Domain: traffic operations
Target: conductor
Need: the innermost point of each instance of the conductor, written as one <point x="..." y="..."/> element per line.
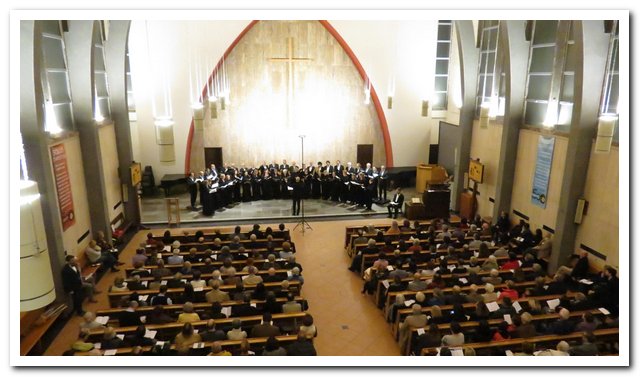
<point x="396" y="203"/>
<point x="296" y="195"/>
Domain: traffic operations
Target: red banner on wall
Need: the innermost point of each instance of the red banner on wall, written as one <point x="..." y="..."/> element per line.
<point x="63" y="185"/>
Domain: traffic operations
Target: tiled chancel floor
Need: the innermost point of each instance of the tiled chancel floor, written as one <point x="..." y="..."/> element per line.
<point x="348" y="323"/>
<point x="154" y="210"/>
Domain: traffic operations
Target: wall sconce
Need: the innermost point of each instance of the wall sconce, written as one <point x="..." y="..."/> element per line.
<point x="493" y="107"/>
<point x="484" y="115"/>
<point x="606" y="129"/>
<point x="213" y="106"/>
<point x="36" y="279"/>
<point x="425" y="108"/>
<point x="551" y="118"/>
<point x="164" y="138"/>
<point x="389" y="102"/>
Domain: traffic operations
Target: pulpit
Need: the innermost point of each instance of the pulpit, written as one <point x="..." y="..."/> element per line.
<point x="436" y="203"/>
<point x="429" y="174"/>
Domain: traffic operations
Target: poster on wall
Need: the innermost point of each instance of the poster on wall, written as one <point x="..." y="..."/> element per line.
<point x="63" y="185"/>
<point x="543" y="171"/>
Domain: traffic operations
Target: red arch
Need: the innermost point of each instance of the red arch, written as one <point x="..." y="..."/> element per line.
<point x="374" y="96"/>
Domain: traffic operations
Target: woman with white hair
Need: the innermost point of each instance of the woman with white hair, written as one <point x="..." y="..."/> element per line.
<point x="489" y="295"/>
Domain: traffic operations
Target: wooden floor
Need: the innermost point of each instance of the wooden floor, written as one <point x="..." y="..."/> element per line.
<point x="348" y="323"/>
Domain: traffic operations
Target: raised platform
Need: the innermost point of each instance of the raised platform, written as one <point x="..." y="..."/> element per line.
<point x="154" y="210"/>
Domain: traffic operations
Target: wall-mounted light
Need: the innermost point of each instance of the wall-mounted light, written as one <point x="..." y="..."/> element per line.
<point x="367" y="91"/>
<point x="484" y="114"/>
<point x="50" y="122"/>
<point x="551" y="118"/>
<point x="494" y="106"/>
<point x="606" y="129"/>
<point x="501" y="105"/>
<point x="391" y="92"/>
<point x="97" y="113"/>
<point x="164" y="138"/>
<point x="425" y="107"/>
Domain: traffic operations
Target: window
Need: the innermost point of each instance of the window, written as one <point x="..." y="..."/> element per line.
<point x="131" y="103"/>
<point x="443" y="50"/>
<point x="609" y="102"/>
<point x="487" y="86"/>
<point x="102" y="105"/>
<point x="55" y="78"/>
<point x="542" y="85"/>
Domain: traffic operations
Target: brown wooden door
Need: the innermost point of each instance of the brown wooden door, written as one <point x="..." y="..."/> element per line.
<point x="365" y="154"/>
<point x="213" y="156"/>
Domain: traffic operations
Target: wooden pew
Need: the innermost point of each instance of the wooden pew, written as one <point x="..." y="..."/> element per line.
<point x="256" y="344"/>
<point x="281" y="273"/>
<point x="391" y="297"/>
<point x="523" y="301"/>
<point x="470" y="325"/>
<point x="174" y="309"/>
<point x="238" y="264"/>
<point x="168" y="331"/>
<point x="115" y="297"/>
<point x="549" y="341"/>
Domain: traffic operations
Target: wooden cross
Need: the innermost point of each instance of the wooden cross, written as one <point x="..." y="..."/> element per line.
<point x="289" y="60"/>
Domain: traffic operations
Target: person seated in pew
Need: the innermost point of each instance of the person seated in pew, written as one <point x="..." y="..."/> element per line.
<point x="271" y="263"/>
<point x="188" y="314"/>
<point x="483" y="333"/>
<point x="252" y="278"/>
<point x="490" y="263"/>
<point x="197" y="282"/>
<point x="187" y="268"/>
<point x="211" y="333"/>
<point x="303" y="346"/>
<point x="95" y="254"/>
<point x="82" y="344"/>
<point x="110" y="340"/>
<point x="187" y="337"/>
<point x="473" y="296"/>
<point x="130" y="317"/>
<point x="397" y="285"/>
<point x="208" y="266"/>
<point x="176" y="281"/>
<point x="158" y="316"/>
<point x="231" y="278"/>
<point x="503" y="332"/>
<point x="510" y="291"/>
<point x="155" y="284"/>
<point x="89" y="322"/>
<point x="265" y="328"/>
<point x="587" y="348"/>
<point x="562" y="325"/>
<point x="215" y="294"/>
<point x="512" y="263"/>
<point x="236" y="332"/>
<point x="287" y="250"/>
<point x="457" y="313"/>
<point x="139" y="338"/>
<point x="456" y="338"/>
<point x="489" y="295"/>
<point x="437" y="281"/>
<point x="245" y="309"/>
<point x="238" y="293"/>
<point x="272" y="348"/>
<point x="160" y="270"/>
<point x="562" y="349"/>
<point x="291" y="306"/>
<point x="215" y="311"/>
<point x="118" y="285"/>
<point x="481" y="312"/>
<point x="271" y="276"/>
<point x="581" y="302"/>
<point x="524" y="327"/>
<point x="216" y="350"/>
<point x="587" y="324"/>
<point x="417" y="284"/>
<point x="259" y="293"/>
<point x="431" y="338"/>
<point x="527" y="349"/>
<point x="506" y="307"/>
<point x="161" y="298"/>
<point x="493" y="278"/>
<point x="175" y="257"/>
<point x="139" y="256"/>
<point x="295" y="276"/>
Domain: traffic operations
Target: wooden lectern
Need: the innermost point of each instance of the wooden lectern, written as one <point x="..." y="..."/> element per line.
<point x="429" y="174"/>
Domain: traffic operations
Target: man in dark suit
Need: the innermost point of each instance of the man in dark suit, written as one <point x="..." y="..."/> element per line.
<point x="130" y="317"/>
<point x="396" y="203"/>
<point x="588" y="347"/>
<point x="383" y="175"/>
<point x="211" y="334"/>
<point x="193" y="189"/>
<point x="245" y="309"/>
<point x="72" y="283"/>
<point x="266" y="328"/>
<point x="296" y="196"/>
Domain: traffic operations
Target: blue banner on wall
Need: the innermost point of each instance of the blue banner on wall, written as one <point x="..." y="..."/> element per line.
<point x="543" y="171"/>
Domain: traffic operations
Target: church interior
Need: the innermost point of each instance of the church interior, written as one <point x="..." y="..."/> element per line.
<point x="439" y="186"/>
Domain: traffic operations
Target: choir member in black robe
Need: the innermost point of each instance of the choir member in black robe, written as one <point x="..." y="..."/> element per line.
<point x="256" y="185"/>
<point x="370" y="193"/>
<point x="208" y="199"/>
<point x="327" y="184"/>
<point x="316" y="185"/>
<point x="306" y="177"/>
<point x="201" y="178"/>
<point x="246" y="187"/>
<point x="383" y="180"/>
<point x="336" y="186"/>
<point x="284" y="183"/>
<point x="344" y="186"/>
<point x="276" y="183"/>
<point x="267" y="186"/>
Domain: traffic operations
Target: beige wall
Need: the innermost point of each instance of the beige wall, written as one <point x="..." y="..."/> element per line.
<point x="79" y="193"/>
<point x="327" y="104"/>
<point x="485" y="145"/>
<point x="599" y="228"/>
<point x="523" y="180"/>
<point x="109" y="156"/>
